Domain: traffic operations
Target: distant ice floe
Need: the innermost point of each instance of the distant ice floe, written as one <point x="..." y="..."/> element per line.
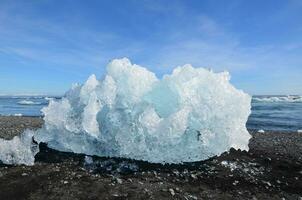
<point x="189" y="115"/>
<point x="18" y="115"/>
<point x="20" y="150"/>
<point x="48" y="98"/>
<point x="289" y="99"/>
<point x="261" y="131"/>
<point x="27" y="102"/>
<point x="299" y="131"/>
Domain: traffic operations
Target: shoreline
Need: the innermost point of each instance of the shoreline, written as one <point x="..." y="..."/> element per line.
<point x="271" y="169"/>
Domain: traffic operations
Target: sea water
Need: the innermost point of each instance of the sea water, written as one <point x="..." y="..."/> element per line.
<point x="273" y="113"/>
<point x="23" y="105"/>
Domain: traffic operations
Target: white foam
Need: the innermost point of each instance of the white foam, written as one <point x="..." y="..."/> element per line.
<point x="189" y="115"/>
<point x="288" y="99"/>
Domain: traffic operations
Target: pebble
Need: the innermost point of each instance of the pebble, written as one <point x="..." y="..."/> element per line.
<point x="193" y="176"/>
<point x="192" y="197"/>
<point x="65" y="182"/>
<point x="24" y="174"/>
<point x="171" y="191"/>
<point x="235" y="182"/>
<point x="176" y="172"/>
<point x="119" y="181"/>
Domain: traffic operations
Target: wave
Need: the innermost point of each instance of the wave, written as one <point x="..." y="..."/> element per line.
<point x="288" y="99"/>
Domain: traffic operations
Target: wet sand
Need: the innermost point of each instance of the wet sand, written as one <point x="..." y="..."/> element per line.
<point x="271" y="169"/>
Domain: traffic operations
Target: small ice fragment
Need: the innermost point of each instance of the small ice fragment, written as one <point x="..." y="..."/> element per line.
<point x="88" y="160"/>
<point x="299" y="131"/>
<point x="19" y="150"/>
<point x="261" y="131"/>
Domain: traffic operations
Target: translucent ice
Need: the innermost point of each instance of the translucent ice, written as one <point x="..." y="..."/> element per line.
<point x="189" y="115"/>
<point x="19" y="150"/>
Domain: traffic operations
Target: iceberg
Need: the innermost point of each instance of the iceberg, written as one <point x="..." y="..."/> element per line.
<point x="19" y="150"/>
<point x="189" y="115"/>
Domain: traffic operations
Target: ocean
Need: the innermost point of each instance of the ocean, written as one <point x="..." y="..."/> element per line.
<point x="273" y="113"/>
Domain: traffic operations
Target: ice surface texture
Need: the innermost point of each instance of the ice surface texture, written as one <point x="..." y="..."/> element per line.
<point x="189" y="115"/>
<point x="19" y="150"/>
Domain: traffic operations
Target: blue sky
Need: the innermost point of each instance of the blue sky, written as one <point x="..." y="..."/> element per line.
<point x="46" y="45"/>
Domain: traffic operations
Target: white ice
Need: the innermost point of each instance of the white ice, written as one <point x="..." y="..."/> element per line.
<point x="189" y="115"/>
<point x="19" y="150"/>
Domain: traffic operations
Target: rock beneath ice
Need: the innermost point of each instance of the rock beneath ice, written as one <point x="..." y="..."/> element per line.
<point x="189" y="115"/>
<point x="19" y="150"/>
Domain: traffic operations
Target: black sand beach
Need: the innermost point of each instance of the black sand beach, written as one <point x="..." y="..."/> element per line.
<point x="271" y="169"/>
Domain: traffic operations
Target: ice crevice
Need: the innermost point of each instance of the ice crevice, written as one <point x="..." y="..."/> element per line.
<point x="185" y="116"/>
